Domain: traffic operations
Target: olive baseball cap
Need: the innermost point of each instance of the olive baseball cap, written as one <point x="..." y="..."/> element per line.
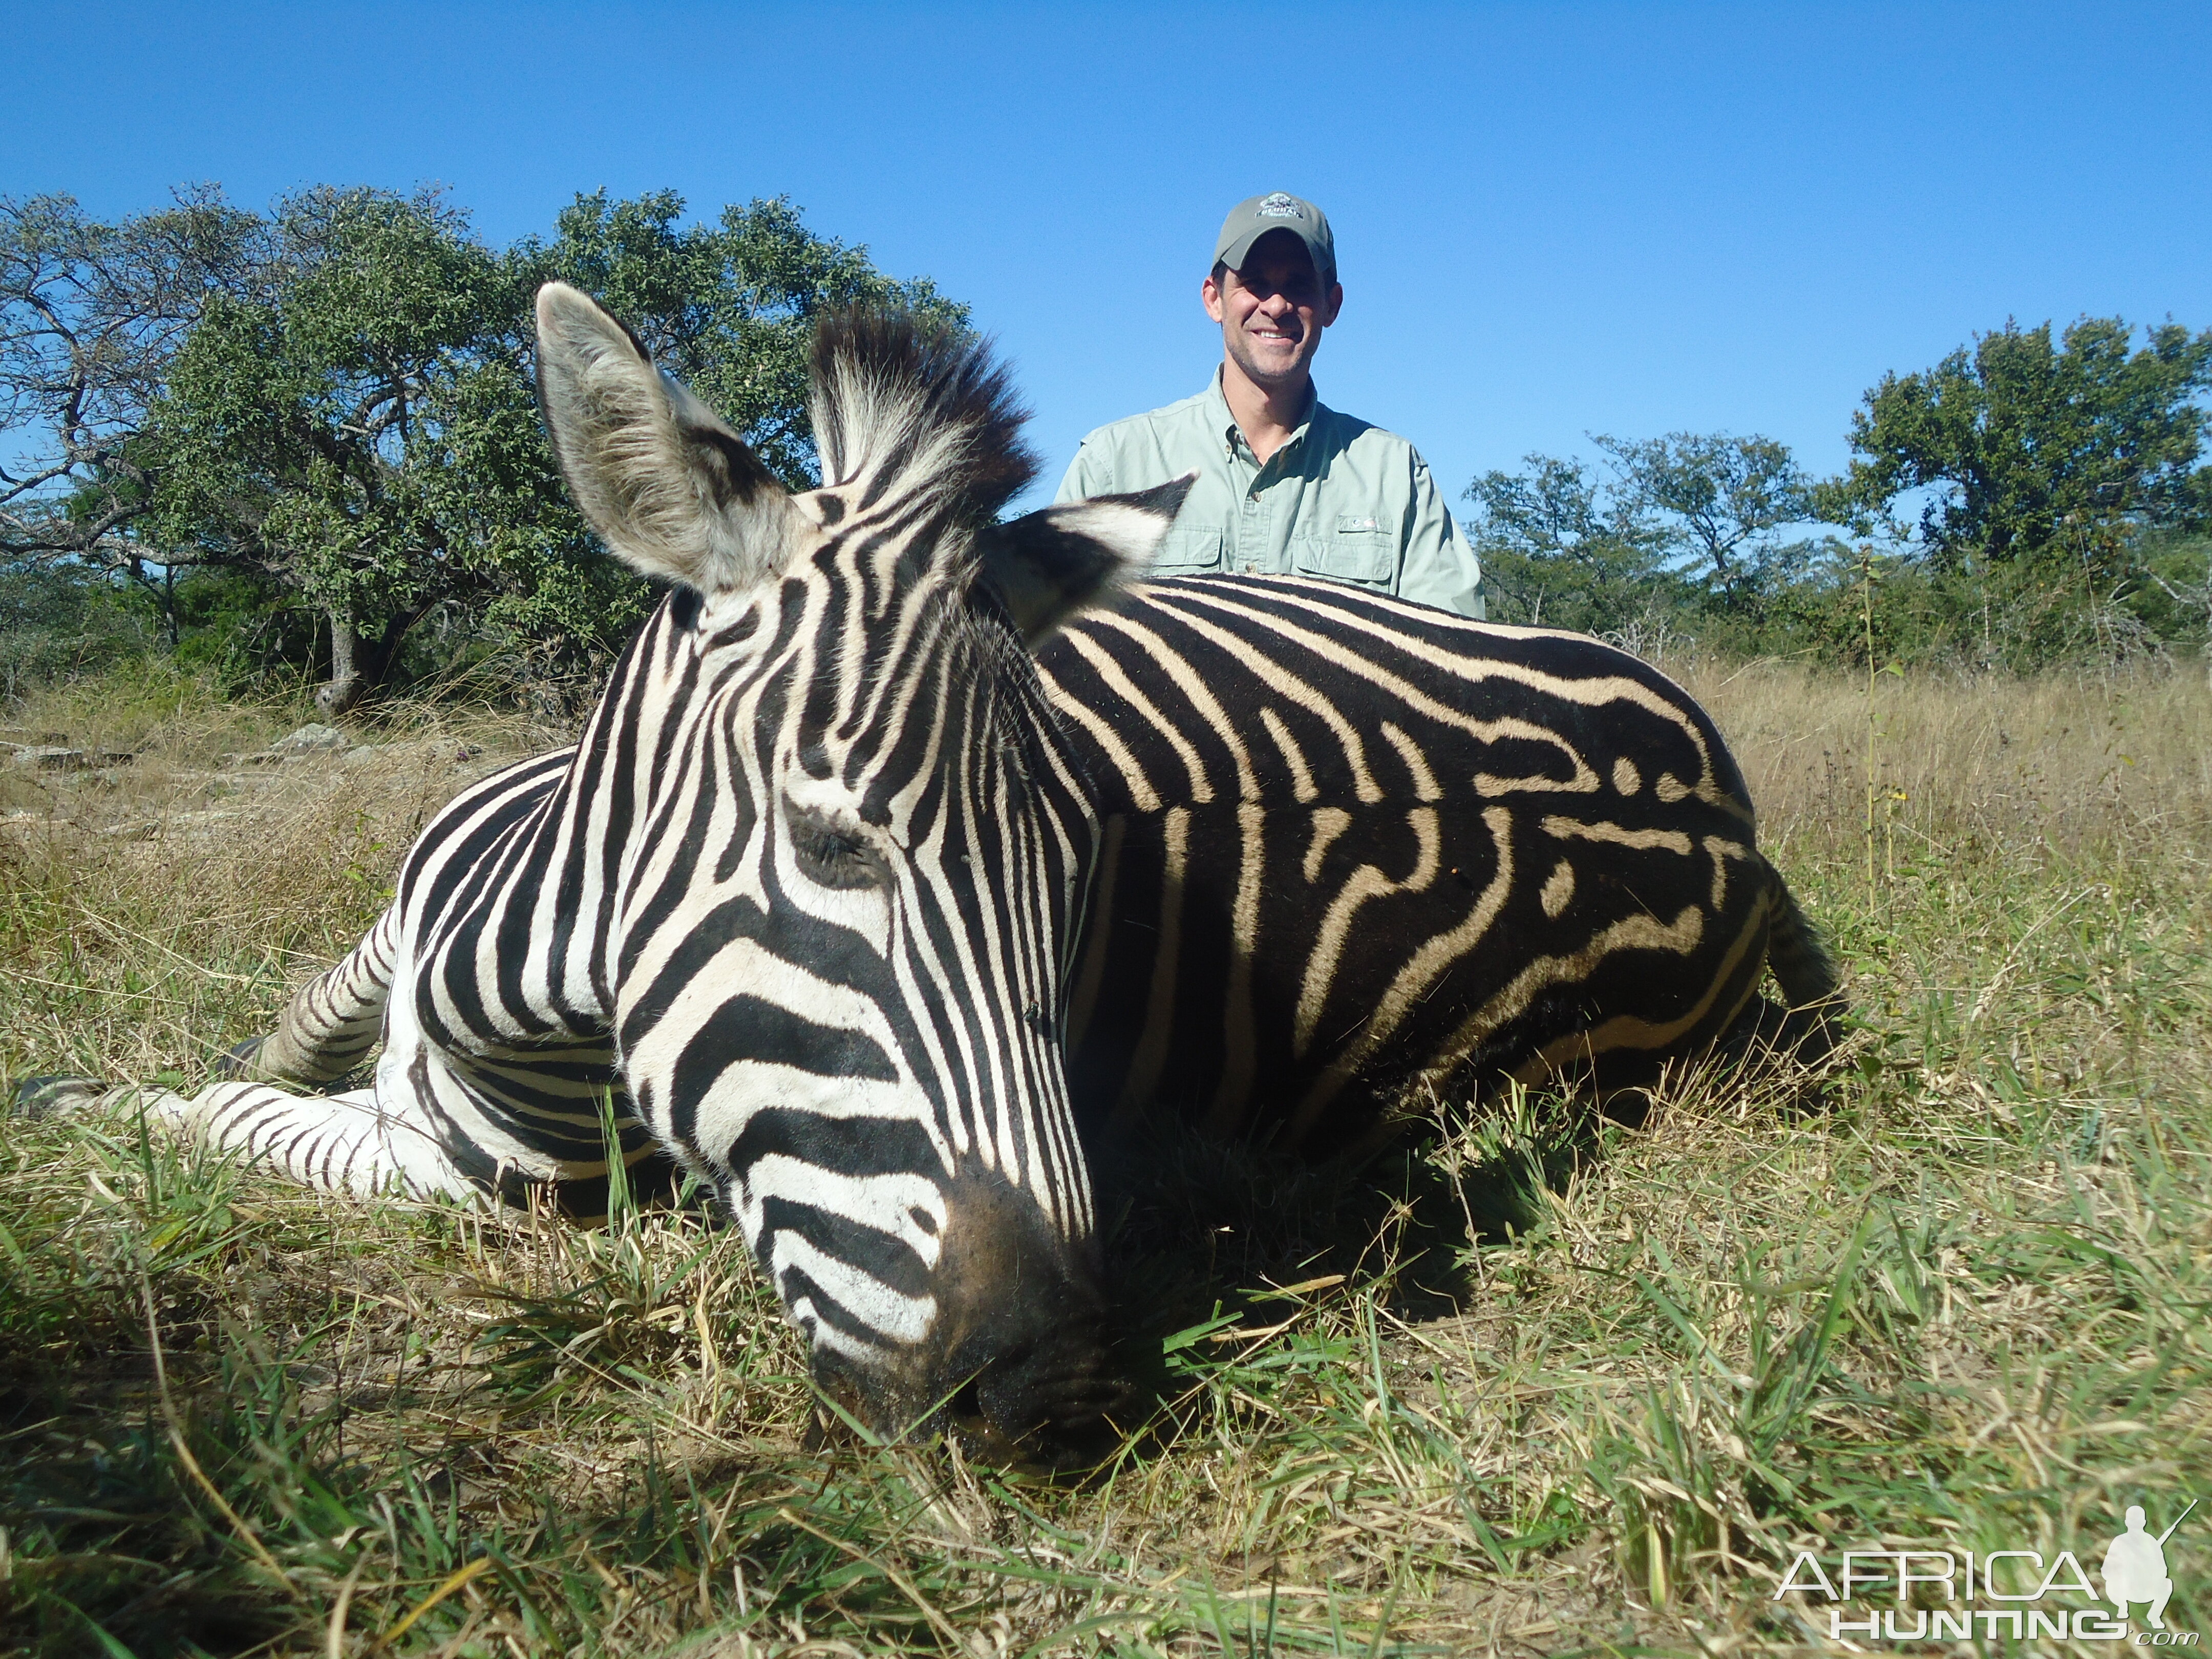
<point x="1253" y="218"/>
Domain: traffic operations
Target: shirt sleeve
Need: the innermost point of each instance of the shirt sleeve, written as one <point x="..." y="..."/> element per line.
<point x="1090" y="473"/>
<point x="1435" y="566"/>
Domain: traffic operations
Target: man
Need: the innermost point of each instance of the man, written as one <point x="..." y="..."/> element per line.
<point x="2135" y="1569"/>
<point x="1285" y="484"/>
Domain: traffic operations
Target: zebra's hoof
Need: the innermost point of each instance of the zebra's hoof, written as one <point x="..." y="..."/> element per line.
<point x="237" y="1060"/>
<point x="37" y="1097"/>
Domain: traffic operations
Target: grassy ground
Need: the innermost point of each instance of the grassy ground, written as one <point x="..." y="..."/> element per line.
<point x="1539" y="1387"/>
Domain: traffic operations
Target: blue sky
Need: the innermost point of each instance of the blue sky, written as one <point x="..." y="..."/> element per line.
<point x="1550" y="220"/>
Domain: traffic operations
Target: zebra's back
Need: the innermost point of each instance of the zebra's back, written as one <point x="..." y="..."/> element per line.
<point x="1351" y="843"/>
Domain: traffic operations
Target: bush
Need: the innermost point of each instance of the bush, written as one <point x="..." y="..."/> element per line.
<point x="2172" y="594"/>
<point x="62" y="621"/>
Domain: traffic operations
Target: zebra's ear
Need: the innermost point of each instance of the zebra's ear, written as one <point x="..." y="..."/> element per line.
<point x="1047" y="566"/>
<point x="673" y="491"/>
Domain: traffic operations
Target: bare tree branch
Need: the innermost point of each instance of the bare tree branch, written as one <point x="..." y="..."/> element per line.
<point x="91" y="314"/>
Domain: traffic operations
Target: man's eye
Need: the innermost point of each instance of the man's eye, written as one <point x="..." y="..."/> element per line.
<point x="832" y="856"/>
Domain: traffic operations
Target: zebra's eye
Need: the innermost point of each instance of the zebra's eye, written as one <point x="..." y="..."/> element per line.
<point x="833" y="856"/>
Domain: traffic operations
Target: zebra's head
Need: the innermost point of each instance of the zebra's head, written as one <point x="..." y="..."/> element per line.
<point x="848" y="853"/>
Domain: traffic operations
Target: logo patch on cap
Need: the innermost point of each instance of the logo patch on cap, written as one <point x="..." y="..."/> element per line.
<point x="1279" y="206"/>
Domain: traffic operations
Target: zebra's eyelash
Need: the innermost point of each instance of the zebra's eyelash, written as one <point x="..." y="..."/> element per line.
<point x="831" y="855"/>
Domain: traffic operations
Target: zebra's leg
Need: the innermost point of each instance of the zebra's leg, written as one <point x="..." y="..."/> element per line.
<point x="353" y="1142"/>
<point x="330" y="1024"/>
<point x="343" y="1143"/>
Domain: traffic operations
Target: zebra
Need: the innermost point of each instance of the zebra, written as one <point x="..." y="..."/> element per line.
<point x="907" y="851"/>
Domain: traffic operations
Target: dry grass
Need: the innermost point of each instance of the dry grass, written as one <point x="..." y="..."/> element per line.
<point x="1577" y="1389"/>
<point x="153" y="906"/>
<point x="2114" y="763"/>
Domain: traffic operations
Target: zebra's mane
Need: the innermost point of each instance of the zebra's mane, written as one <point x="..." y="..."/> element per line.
<point x="917" y="409"/>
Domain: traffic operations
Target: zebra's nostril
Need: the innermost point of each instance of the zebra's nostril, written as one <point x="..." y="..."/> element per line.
<point x="966" y="1405"/>
<point x="1050" y="1395"/>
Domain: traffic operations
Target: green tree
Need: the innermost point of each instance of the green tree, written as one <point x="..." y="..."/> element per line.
<point x="359" y="430"/>
<point x="2025" y="446"/>
<point x="304" y="426"/>
<point x="1562" y="549"/>
<point x="1720" y="504"/>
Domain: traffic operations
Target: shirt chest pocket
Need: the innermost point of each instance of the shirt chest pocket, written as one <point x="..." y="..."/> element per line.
<point x="1360" y="548"/>
<point x="1189" y="551"/>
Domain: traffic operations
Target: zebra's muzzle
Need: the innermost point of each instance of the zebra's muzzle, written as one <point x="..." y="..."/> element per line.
<point x="1015" y="1366"/>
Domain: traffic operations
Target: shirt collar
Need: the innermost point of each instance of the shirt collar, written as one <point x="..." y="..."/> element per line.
<point x="1220" y="420"/>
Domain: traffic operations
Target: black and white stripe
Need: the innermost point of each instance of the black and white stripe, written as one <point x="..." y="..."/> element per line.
<point x="1354" y="849"/>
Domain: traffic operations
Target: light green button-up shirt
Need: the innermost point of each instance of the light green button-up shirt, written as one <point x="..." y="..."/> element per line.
<point x="1339" y="499"/>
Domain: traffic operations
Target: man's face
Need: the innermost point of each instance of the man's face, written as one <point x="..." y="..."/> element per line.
<point x="1271" y="313"/>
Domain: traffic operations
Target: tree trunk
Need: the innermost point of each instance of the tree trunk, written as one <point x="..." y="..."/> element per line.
<point x="358" y="664"/>
<point x="347" y="682"/>
<point x="163" y="593"/>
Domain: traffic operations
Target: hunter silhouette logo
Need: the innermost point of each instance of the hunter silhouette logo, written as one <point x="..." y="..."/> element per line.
<point x="2135" y="1567"/>
<point x="1922" y="1594"/>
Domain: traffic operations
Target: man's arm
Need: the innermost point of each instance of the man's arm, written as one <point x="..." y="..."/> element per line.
<point x="1435" y="565"/>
